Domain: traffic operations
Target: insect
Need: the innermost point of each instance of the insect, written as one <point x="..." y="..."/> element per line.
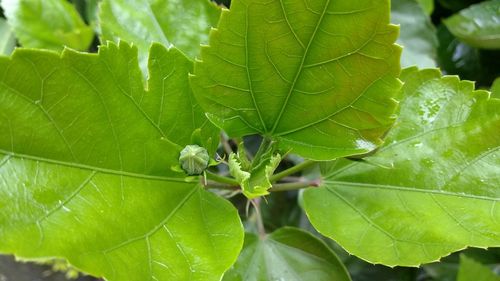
<point x="194" y="159"/>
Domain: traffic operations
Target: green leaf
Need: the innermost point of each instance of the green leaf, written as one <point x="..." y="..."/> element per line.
<point x="172" y="105"/>
<point x="447" y="269"/>
<point x="418" y="35"/>
<point x="317" y="76"/>
<point x="427" y="5"/>
<point x="495" y="88"/>
<point x="7" y="39"/>
<point x="47" y="24"/>
<point x="478" y="25"/>
<point x="287" y="254"/>
<point x="88" y="9"/>
<point x="183" y="23"/>
<point x="431" y="190"/>
<point x="85" y="169"/>
<point x="471" y="270"/>
<point x="259" y="183"/>
<point x="236" y="170"/>
<point x="254" y="182"/>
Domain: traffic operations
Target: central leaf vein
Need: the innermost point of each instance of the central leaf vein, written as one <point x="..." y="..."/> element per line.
<point x="247" y="67"/>
<point x="299" y="70"/>
<point x="411" y="189"/>
<point x="91" y="168"/>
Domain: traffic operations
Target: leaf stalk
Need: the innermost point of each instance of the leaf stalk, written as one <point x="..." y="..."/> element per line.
<point x="295" y="169"/>
<point x="294" y="185"/>
<point x="222" y="179"/>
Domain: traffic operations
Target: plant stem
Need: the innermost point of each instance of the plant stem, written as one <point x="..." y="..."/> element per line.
<point x="264" y="145"/>
<point x="293" y="186"/>
<point x="260" y="224"/>
<point x="222" y="179"/>
<point x="297" y="168"/>
<point x="290" y="179"/>
<point x="217" y="185"/>
<point x="225" y="144"/>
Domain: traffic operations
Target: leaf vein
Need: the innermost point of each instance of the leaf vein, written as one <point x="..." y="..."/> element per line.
<point x="410" y="189"/>
<point x="157" y="227"/>
<point x="300" y="68"/>
<point x="92" y="168"/>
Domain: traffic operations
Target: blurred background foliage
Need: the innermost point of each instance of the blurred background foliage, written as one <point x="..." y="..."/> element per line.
<point x="430" y="39"/>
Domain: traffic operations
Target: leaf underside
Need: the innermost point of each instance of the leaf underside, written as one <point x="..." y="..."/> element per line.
<point x="85" y="167"/>
<point x="47" y="24"/>
<point x="431" y="190"/>
<point x="183" y="23"/>
<point x="319" y="76"/>
<point x="478" y="25"/>
<point x="287" y="254"/>
<point x="7" y="39"/>
<point x="472" y="270"/>
<point x="418" y="35"/>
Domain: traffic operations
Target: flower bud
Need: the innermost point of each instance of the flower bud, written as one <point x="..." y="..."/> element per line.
<point x="194" y="159"/>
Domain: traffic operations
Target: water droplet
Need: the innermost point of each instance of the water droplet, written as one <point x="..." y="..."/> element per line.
<point x="361" y="144"/>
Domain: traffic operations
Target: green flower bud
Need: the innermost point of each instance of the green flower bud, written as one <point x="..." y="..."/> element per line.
<point x="194" y="159"/>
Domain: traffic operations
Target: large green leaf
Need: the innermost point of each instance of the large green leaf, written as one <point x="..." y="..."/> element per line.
<point x="431" y="190"/>
<point x="171" y="104"/>
<point x="418" y="35"/>
<point x="85" y="169"/>
<point x="472" y="270"/>
<point x="319" y="76"/>
<point x="47" y="24"/>
<point x="183" y="23"/>
<point x="7" y="39"/>
<point x="478" y="25"/>
<point x="287" y="254"/>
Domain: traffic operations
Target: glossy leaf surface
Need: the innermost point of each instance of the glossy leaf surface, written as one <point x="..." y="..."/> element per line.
<point x="478" y="25"/>
<point x="318" y="76"/>
<point x="183" y="23"/>
<point x="47" y="24"/>
<point x="286" y="254"/>
<point x="85" y="169"/>
<point x="431" y="190"/>
<point x="472" y="270"/>
<point x="7" y="39"/>
<point x="417" y="35"/>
